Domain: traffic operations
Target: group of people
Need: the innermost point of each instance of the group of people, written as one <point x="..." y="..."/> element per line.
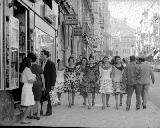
<point x="116" y="77"/>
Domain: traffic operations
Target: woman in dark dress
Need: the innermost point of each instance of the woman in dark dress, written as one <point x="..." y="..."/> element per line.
<point x="39" y="84"/>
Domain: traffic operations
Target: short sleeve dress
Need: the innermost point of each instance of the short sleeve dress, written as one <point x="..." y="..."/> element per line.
<point x="27" y="97"/>
<point x="37" y="85"/>
<point x="70" y="79"/>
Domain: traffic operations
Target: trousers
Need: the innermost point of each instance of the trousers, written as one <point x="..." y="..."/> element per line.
<point x="144" y="93"/>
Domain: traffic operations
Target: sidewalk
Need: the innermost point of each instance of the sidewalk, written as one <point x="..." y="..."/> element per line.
<point x="80" y="116"/>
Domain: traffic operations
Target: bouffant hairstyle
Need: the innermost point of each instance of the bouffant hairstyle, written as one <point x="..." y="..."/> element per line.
<point x="25" y="63"/>
<point x="45" y="52"/>
<point x="70" y="58"/>
<point x="58" y="60"/>
<point x="32" y="56"/>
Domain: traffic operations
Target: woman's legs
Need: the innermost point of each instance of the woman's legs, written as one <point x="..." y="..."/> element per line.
<point x="89" y="100"/>
<point x="103" y="100"/>
<point x="84" y="97"/>
<point x="116" y="98"/>
<point x="27" y="111"/>
<point x="59" y="97"/>
<point x="41" y="109"/>
<point x="121" y="97"/>
<point x="69" y="99"/>
<point x="93" y="98"/>
<point x="107" y="99"/>
<point x="38" y="108"/>
<point x="73" y="95"/>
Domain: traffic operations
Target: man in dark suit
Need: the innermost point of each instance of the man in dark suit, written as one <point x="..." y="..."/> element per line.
<point x="49" y="71"/>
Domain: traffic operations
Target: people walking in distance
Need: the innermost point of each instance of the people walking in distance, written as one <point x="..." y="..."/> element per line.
<point x="146" y="74"/>
<point x="118" y="87"/>
<point x="79" y="60"/>
<point x="27" y="97"/>
<point x="90" y="80"/>
<point x="105" y="81"/>
<point x="59" y="85"/>
<point x="38" y="85"/>
<point x="49" y="71"/>
<point x="83" y="88"/>
<point x="130" y="78"/>
<point x="71" y="81"/>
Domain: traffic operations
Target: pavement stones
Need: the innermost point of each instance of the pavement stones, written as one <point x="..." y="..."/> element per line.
<point x="80" y="116"/>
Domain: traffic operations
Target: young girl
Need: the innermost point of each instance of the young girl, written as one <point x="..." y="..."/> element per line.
<point x="71" y="81"/>
<point x="27" y="97"/>
<point x="105" y="81"/>
<point x="117" y="79"/>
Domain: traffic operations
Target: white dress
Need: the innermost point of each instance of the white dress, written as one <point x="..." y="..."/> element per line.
<point x="27" y="97"/>
<point x="105" y="81"/>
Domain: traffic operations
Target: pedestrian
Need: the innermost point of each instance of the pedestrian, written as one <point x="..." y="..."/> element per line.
<point x="118" y="87"/>
<point x="83" y="88"/>
<point x="59" y="85"/>
<point x="27" y="97"/>
<point x="146" y="74"/>
<point x="71" y="80"/>
<point x="105" y="81"/>
<point x="49" y="71"/>
<point x="38" y="85"/>
<point x="90" y="80"/>
<point x="100" y="63"/>
<point x="130" y="78"/>
<point x="79" y="60"/>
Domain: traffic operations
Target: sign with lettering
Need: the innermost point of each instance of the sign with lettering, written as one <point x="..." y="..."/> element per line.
<point x="77" y="31"/>
<point x="71" y="19"/>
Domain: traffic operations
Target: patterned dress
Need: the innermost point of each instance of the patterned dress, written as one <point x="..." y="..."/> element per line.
<point x="91" y="76"/>
<point x="106" y="81"/>
<point x="118" y="87"/>
<point x="83" y="89"/>
<point x="71" y="80"/>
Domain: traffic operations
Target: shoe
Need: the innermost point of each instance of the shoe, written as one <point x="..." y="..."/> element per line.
<point x="103" y="107"/>
<point x="120" y="104"/>
<point x="25" y="122"/>
<point x="137" y="108"/>
<point x="59" y="103"/>
<point x="89" y="107"/>
<point x="72" y="104"/>
<point x="69" y="106"/>
<point x="144" y="106"/>
<point x="108" y="105"/>
<point x="84" y="103"/>
<point x="30" y="117"/>
<point x="35" y="114"/>
<point x="37" y="118"/>
<point x="48" y="114"/>
<point x="127" y="108"/>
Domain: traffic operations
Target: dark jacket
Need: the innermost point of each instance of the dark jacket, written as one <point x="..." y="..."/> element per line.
<point x="49" y="74"/>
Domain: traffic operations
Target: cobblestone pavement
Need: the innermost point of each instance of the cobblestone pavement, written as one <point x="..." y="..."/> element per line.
<point x="80" y="116"/>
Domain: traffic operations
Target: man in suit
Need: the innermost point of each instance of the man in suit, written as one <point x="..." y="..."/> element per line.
<point x="49" y="71"/>
<point x="146" y="74"/>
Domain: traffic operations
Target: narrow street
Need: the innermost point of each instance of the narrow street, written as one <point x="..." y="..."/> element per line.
<point x="80" y="116"/>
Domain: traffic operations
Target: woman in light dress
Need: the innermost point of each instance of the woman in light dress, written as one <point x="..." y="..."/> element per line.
<point x="59" y="85"/>
<point x="105" y="81"/>
<point x="118" y="87"/>
<point x="27" y="97"/>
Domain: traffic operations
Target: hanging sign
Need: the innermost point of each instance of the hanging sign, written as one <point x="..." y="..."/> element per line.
<point x="71" y="19"/>
<point x="77" y="31"/>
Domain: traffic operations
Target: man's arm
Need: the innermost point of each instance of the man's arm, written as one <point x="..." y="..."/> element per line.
<point x="53" y="74"/>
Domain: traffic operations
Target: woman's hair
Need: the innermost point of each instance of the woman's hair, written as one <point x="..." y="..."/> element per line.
<point x="91" y="56"/>
<point x="84" y="58"/>
<point x="58" y="60"/>
<point x="70" y="58"/>
<point x="45" y="52"/>
<point x="32" y="57"/>
<point x="115" y="59"/>
<point x="25" y="63"/>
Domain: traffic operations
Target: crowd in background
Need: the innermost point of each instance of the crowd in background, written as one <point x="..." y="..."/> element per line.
<point x="116" y="77"/>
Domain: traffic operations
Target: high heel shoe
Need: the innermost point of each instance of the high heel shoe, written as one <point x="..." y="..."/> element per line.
<point x="89" y="107"/>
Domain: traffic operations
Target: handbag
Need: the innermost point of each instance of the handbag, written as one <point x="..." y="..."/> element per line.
<point x="44" y="96"/>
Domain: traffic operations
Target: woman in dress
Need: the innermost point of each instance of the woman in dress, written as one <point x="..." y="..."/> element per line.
<point x="105" y="81"/>
<point x="83" y="90"/>
<point x="118" y="87"/>
<point x="90" y="80"/>
<point x="59" y="85"/>
<point x="27" y="97"/>
<point x="71" y="80"/>
<point x="38" y="85"/>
